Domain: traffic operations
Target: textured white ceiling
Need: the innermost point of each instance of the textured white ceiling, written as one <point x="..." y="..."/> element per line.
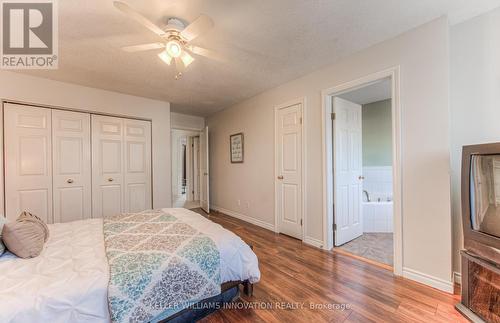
<point x="374" y="92"/>
<point x="261" y="43"/>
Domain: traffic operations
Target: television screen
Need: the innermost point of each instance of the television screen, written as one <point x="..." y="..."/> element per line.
<point x="485" y="194"/>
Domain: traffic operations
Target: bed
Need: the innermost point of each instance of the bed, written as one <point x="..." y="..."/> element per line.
<point x="77" y="279"/>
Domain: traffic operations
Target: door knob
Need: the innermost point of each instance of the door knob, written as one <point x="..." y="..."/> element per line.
<point x="361" y="177"/>
<point x="69" y="181"/>
<point x="280" y="177"/>
<point x="110" y="179"/>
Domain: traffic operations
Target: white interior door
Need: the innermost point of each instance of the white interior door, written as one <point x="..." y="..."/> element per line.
<point x="204" y="170"/>
<point x="71" y="166"/>
<point x="137" y="188"/>
<point x="107" y="166"/>
<point x="28" y="161"/>
<point x="289" y="170"/>
<point x="347" y="179"/>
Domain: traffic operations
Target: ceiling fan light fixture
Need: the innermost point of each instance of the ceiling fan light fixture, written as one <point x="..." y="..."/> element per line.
<point x="174" y="48"/>
<point x="165" y="57"/>
<point x="186" y="58"/>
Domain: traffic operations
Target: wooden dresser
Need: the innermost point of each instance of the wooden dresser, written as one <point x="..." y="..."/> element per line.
<point x="480" y="289"/>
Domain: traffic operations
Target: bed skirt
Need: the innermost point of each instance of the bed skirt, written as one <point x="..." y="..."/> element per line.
<point x="229" y="293"/>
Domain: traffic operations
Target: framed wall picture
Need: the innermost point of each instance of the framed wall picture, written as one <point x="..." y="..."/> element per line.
<point x="236" y="147"/>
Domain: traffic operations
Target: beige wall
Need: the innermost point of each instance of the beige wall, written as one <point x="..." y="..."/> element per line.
<point x="19" y="87"/>
<point x="475" y="98"/>
<point x="423" y="57"/>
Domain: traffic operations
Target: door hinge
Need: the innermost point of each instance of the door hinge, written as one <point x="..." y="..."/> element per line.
<point x="300" y="120"/>
<point x="333" y="116"/>
<point x="334" y="227"/>
<point x="301" y="222"/>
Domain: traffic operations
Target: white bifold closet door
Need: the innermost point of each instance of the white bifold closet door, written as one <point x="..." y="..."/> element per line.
<point x="121" y="165"/>
<point x="71" y="166"/>
<point x="28" y="161"/>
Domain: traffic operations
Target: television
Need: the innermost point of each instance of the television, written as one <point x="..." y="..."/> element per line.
<point x="481" y="200"/>
<point x="480" y="278"/>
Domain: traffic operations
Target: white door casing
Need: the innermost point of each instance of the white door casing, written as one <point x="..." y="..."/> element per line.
<point x="28" y="168"/>
<point x="204" y="171"/>
<point x="347" y="172"/>
<point x="289" y="196"/>
<point x="71" y="166"/>
<point x="107" y="166"/>
<point x="137" y="165"/>
<point x="189" y="168"/>
<point x="196" y="168"/>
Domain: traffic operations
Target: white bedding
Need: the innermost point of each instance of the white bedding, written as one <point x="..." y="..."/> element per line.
<point x="68" y="282"/>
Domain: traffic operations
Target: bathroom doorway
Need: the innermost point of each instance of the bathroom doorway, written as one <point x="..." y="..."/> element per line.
<point x="363" y="145"/>
<point x="185" y="168"/>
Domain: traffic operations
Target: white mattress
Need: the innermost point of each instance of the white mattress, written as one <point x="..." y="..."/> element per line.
<point x="68" y="282"/>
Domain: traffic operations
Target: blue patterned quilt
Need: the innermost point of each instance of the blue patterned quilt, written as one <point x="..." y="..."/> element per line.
<point x="158" y="266"/>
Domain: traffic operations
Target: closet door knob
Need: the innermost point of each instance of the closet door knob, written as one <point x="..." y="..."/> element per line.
<point x="69" y="181"/>
<point x="110" y="179"/>
<point x="280" y="177"/>
<point x="361" y="177"/>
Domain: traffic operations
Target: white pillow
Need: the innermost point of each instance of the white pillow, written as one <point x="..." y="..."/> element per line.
<point x="2" y="222"/>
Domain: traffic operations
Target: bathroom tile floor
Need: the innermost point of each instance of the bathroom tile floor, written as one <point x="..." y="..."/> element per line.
<point x="373" y="246"/>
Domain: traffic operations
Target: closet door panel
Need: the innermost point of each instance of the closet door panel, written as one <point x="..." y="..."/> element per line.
<point x="71" y="166"/>
<point x="107" y="166"/>
<point x="137" y="139"/>
<point x="28" y="162"/>
<point x="111" y="157"/>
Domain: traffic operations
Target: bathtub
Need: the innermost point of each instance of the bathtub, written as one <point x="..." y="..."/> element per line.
<point x="378" y="216"/>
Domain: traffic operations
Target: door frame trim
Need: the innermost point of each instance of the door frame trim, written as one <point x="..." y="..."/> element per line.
<point x="302" y="102"/>
<point x="326" y="97"/>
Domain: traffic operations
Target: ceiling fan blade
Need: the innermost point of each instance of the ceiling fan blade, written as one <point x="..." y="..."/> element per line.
<point x="143" y="47"/>
<point x="197" y="27"/>
<point x="126" y="9"/>
<point x="200" y="51"/>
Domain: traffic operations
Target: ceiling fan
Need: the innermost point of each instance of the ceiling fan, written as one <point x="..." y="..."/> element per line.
<point x="176" y="38"/>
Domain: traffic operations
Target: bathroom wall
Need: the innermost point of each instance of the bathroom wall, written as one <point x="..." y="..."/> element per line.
<point x="378" y="182"/>
<point x="377" y="149"/>
<point x="377" y="133"/>
<point x="377" y="166"/>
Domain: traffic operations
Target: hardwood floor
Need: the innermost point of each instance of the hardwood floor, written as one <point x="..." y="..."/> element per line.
<point x="297" y="277"/>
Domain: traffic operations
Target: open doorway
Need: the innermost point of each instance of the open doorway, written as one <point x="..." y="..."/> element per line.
<point x="186" y="168"/>
<point x="362" y="168"/>
<point x="362" y="149"/>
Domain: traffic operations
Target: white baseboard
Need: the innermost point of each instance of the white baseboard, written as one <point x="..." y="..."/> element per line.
<point x="307" y="240"/>
<point x="245" y="218"/>
<point x="314" y="242"/>
<point x="457" y="277"/>
<point x="438" y="283"/>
